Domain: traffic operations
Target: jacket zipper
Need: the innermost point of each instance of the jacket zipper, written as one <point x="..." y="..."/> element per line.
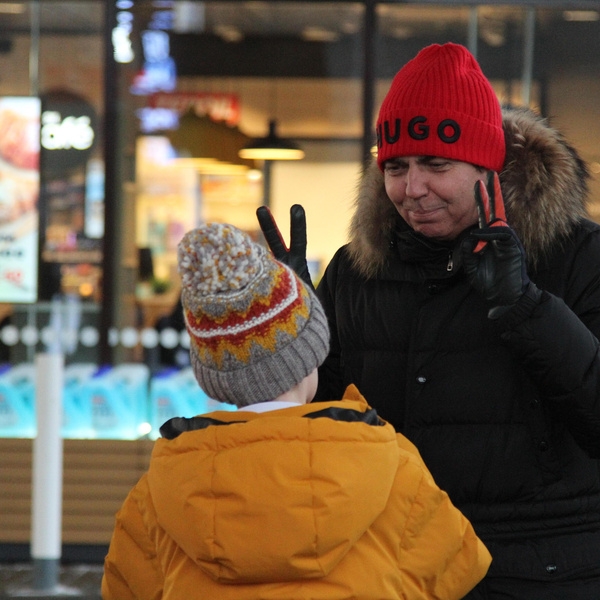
<point x="450" y="264"/>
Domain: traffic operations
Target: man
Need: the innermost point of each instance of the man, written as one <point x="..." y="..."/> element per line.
<point x="475" y="332"/>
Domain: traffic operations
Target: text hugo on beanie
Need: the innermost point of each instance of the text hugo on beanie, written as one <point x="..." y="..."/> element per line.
<point x="256" y="330"/>
<point x="441" y="104"/>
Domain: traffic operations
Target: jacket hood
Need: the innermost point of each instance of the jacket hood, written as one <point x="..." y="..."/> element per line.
<point x="544" y="185"/>
<point x="273" y="497"/>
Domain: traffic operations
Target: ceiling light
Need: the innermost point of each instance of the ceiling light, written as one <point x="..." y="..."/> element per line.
<point x="229" y="33"/>
<point x="581" y="15"/>
<point x="254" y="175"/>
<point x="12" y="9"/>
<point x="402" y="32"/>
<point x="271" y="147"/>
<point x="319" y="34"/>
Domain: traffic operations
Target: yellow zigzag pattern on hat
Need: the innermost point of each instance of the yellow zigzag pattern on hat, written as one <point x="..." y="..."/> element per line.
<point x="270" y="322"/>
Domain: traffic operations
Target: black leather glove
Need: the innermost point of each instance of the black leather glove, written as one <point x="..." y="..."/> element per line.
<point x="493" y="256"/>
<point x="295" y="256"/>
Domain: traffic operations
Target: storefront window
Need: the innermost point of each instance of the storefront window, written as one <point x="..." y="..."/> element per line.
<point x="544" y="58"/>
<point x="141" y="128"/>
<point x="50" y="231"/>
<point x="239" y="68"/>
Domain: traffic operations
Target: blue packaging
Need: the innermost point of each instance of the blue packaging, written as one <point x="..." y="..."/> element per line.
<point x="118" y="397"/>
<point x="77" y="413"/>
<point x="17" y="401"/>
<point x="176" y="393"/>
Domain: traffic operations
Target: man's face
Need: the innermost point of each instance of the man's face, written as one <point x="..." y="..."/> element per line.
<point x="433" y="195"/>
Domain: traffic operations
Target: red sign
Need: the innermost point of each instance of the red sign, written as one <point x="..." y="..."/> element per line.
<point x="219" y="107"/>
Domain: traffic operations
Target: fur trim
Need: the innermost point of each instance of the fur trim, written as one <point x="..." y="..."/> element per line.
<point x="544" y="182"/>
<point x="372" y="223"/>
<point x="544" y="185"/>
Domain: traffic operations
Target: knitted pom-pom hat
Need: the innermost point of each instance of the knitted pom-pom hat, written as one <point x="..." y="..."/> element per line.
<point x="441" y="104"/>
<point x="256" y="330"/>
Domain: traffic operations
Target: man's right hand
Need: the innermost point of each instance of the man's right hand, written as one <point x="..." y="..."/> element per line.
<point x="295" y="255"/>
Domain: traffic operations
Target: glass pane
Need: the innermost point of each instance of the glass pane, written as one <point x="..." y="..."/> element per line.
<point x="53" y="50"/>
<point x="545" y="58"/>
<point x="240" y="69"/>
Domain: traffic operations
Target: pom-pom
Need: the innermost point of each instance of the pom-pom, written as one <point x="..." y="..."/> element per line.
<point x="217" y="258"/>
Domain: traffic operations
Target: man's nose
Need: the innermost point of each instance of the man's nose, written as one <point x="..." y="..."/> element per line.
<point x="416" y="182"/>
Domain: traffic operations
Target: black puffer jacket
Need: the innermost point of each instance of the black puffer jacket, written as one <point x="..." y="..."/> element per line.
<point x="506" y="413"/>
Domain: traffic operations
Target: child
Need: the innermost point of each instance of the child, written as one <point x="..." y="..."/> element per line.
<point x="281" y="499"/>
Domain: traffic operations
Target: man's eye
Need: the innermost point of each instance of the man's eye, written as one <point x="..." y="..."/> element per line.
<point x="394" y="168"/>
<point x="438" y="164"/>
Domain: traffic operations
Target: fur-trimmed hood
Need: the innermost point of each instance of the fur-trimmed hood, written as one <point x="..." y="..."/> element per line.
<point x="544" y="185"/>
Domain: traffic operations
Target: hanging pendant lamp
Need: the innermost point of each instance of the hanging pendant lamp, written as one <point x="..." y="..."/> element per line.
<point x="202" y="139"/>
<point x="271" y="147"/>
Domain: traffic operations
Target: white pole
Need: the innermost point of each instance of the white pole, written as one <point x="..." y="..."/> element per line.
<point x="46" y="515"/>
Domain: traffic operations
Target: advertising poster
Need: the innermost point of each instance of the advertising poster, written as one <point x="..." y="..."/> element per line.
<point x="19" y="192"/>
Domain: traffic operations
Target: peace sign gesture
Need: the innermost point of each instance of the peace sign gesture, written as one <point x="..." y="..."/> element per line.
<point x="493" y="256"/>
<point x="295" y="255"/>
<point x="490" y="206"/>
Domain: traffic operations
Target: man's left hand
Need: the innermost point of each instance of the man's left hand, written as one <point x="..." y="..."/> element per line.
<point x="493" y="255"/>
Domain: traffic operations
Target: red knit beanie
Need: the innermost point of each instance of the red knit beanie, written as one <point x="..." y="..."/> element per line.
<point x="441" y="104"/>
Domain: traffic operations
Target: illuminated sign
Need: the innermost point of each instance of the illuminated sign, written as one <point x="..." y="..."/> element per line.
<point x="121" y="38"/>
<point x="219" y="107"/>
<point x="19" y="193"/>
<point x="65" y="133"/>
<point x="164" y="109"/>
<point x="159" y="71"/>
<point x="68" y="131"/>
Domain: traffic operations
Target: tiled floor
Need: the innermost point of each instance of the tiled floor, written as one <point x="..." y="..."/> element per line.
<point x="75" y="581"/>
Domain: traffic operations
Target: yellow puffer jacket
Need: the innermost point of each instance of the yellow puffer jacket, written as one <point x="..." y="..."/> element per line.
<point x="322" y="501"/>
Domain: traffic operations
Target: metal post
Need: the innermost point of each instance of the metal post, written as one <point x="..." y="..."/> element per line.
<point x="369" y="75"/>
<point x="528" y="56"/>
<point x="34" y="50"/>
<point x="473" y="33"/>
<point x="267" y="178"/>
<point x="111" y="212"/>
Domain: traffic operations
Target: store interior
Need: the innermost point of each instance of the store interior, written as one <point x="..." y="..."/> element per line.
<point x="239" y="66"/>
<point x="144" y="109"/>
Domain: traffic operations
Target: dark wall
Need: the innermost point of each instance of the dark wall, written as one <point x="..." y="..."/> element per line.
<point x="559" y="46"/>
